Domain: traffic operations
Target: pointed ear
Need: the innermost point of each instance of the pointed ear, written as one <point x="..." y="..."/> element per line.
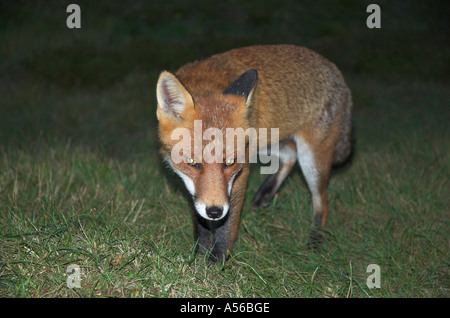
<point x="243" y="86"/>
<point x="173" y="98"/>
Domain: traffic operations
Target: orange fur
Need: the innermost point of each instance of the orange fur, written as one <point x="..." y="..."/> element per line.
<point x="297" y="91"/>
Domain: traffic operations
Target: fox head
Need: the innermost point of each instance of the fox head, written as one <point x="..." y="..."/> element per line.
<point x="192" y="132"/>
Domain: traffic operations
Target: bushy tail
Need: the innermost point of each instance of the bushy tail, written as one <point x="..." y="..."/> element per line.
<point x="345" y="147"/>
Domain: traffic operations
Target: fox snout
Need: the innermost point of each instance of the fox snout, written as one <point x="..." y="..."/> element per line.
<point x="210" y="189"/>
<point x="212" y="212"/>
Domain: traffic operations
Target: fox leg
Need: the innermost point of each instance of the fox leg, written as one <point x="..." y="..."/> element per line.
<point x="315" y="155"/>
<point x="211" y="237"/>
<point x="203" y="236"/>
<point x="216" y="238"/>
<point x="225" y="234"/>
<point x="287" y="156"/>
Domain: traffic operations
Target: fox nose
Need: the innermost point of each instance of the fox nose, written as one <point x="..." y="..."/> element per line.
<point x="214" y="212"/>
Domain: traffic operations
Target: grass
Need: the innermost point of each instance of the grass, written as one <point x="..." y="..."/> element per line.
<point x="81" y="181"/>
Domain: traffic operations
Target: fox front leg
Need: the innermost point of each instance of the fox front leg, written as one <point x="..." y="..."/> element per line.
<point x="215" y="238"/>
<point x="225" y="235"/>
<point x="203" y="236"/>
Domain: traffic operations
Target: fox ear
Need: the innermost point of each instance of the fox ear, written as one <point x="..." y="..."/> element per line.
<point x="244" y="85"/>
<point x="172" y="96"/>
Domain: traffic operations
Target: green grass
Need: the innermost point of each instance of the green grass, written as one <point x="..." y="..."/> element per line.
<point x="81" y="181"/>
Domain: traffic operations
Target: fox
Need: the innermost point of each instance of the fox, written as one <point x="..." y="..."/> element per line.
<point x="287" y="87"/>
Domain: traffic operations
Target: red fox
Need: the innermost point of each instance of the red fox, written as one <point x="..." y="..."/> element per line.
<point x="287" y="87"/>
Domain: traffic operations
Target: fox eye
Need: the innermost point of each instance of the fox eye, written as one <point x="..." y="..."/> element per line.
<point x="229" y="162"/>
<point x="191" y="162"/>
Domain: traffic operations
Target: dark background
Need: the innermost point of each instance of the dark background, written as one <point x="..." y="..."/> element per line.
<point x="95" y="85"/>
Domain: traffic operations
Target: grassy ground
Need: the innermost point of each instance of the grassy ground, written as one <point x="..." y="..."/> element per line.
<point x="81" y="181"/>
